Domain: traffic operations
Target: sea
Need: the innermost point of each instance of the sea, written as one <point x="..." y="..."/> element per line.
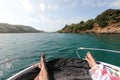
<point x="21" y="50"/>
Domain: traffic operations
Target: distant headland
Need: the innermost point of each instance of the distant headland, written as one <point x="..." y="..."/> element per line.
<point x="8" y="28"/>
<point x="107" y="22"/>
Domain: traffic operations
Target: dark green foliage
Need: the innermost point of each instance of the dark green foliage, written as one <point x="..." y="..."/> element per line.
<point x="103" y="20"/>
<point x="82" y="22"/>
<point x="106" y="17"/>
<point x="89" y="23"/>
<point x="80" y="26"/>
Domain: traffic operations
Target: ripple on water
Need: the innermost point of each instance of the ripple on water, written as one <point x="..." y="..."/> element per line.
<point x="54" y="45"/>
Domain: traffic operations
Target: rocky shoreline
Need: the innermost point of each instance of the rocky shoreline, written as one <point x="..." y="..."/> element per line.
<point x="110" y="29"/>
<point x="108" y="22"/>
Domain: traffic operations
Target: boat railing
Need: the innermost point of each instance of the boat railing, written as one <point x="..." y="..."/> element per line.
<point x="96" y="49"/>
<point x="112" y="66"/>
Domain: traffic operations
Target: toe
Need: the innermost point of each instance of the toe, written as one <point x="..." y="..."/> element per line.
<point x="42" y="57"/>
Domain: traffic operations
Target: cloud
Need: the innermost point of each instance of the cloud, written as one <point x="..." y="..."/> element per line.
<point x="50" y="7"/>
<point x="81" y="3"/>
<point x="115" y="4"/>
<point x="66" y="0"/>
<point x="101" y="3"/>
<point x="27" y="5"/>
<point x="42" y="6"/>
<point x="4" y="17"/>
<point x="54" y="23"/>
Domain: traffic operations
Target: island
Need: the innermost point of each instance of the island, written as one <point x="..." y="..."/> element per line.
<point x="107" y="22"/>
<point x="9" y="28"/>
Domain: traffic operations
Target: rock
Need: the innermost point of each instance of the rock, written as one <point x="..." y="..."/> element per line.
<point x="111" y="28"/>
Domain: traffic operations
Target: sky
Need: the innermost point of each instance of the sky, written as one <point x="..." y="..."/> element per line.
<point x="52" y="15"/>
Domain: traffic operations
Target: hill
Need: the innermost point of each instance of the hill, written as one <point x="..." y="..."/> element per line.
<point x="8" y="28"/>
<point x="106" y="22"/>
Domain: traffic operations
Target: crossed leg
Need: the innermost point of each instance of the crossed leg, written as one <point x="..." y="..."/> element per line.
<point x="43" y="74"/>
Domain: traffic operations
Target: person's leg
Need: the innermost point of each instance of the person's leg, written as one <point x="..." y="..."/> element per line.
<point x="98" y="72"/>
<point x="90" y="59"/>
<point x="43" y="74"/>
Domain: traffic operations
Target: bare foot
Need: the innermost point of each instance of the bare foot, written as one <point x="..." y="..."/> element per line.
<point x="42" y="58"/>
<point x="43" y="74"/>
<point x="42" y="61"/>
<point x="90" y="59"/>
<point x="37" y="65"/>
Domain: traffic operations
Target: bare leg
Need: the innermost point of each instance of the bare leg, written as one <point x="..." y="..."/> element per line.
<point x="90" y="59"/>
<point x="43" y="74"/>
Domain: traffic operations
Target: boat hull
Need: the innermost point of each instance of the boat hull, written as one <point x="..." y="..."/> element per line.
<point x="62" y="69"/>
<point x="59" y="69"/>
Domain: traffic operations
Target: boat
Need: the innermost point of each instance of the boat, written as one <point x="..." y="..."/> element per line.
<point x="65" y="68"/>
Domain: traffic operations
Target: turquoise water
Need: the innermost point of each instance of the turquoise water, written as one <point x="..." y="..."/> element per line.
<point x="54" y="45"/>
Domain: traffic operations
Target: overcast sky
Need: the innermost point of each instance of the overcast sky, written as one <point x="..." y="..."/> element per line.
<point x="52" y="15"/>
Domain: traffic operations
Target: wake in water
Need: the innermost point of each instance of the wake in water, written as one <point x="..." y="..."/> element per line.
<point x="5" y="67"/>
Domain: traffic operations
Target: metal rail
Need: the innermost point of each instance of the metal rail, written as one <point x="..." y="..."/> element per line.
<point x="95" y="49"/>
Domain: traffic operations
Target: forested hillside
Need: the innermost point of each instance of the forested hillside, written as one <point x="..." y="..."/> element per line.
<point x="106" y="22"/>
<point x="8" y="28"/>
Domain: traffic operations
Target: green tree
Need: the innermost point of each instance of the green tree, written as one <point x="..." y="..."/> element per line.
<point x="107" y="16"/>
<point x="89" y="23"/>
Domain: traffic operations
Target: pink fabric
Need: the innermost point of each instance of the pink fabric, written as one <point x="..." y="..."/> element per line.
<point x="99" y="72"/>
